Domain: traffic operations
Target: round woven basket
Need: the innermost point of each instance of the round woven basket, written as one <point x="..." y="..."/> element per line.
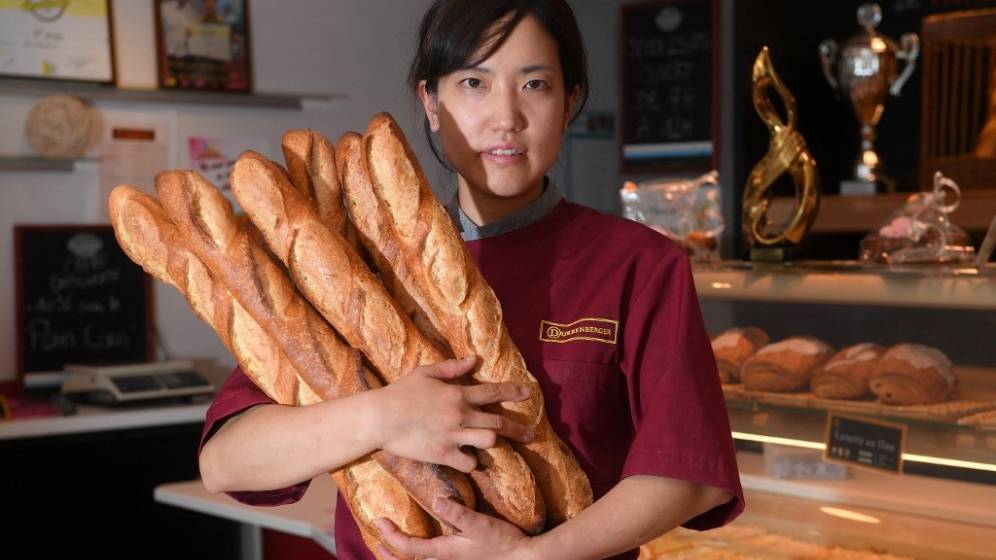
<point x="62" y="126"/>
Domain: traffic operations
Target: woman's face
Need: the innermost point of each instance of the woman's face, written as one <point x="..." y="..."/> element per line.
<point x="500" y="123"/>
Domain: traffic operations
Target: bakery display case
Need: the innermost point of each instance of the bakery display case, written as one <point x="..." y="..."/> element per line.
<point x="911" y="348"/>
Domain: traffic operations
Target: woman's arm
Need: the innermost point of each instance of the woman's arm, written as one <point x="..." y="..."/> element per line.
<point x="274" y="446"/>
<point x="636" y="511"/>
<point x="418" y="417"/>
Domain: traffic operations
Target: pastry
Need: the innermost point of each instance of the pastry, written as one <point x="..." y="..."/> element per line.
<point x="913" y="374"/>
<point x="733" y="347"/>
<point x="784" y="366"/>
<point x="845" y="375"/>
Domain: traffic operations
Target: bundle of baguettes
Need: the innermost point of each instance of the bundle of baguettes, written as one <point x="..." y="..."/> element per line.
<point x="438" y="306"/>
<point x="333" y="277"/>
<point x="259" y="316"/>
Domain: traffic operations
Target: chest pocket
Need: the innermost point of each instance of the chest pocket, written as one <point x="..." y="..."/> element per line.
<point x="588" y="406"/>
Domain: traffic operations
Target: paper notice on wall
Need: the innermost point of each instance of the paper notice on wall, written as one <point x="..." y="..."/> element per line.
<point x="214" y="158"/>
<point x="133" y="148"/>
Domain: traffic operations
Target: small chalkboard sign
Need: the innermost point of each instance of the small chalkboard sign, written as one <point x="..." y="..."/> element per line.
<point x="669" y="61"/>
<point x="876" y="445"/>
<point x="79" y="299"/>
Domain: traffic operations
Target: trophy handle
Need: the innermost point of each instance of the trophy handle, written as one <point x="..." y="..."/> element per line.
<point x="828" y="54"/>
<point x="909" y="54"/>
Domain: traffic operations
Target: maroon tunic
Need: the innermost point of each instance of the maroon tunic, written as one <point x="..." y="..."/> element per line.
<point x="605" y="314"/>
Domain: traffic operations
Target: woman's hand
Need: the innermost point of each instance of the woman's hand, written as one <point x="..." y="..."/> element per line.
<point x="479" y="537"/>
<point x="423" y="418"/>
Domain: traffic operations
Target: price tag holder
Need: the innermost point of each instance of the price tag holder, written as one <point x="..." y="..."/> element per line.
<point x="865" y="443"/>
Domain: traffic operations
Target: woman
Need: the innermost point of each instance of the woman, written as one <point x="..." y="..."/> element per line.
<point x="625" y="365"/>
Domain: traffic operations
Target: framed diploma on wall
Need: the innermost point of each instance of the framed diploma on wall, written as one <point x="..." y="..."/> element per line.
<point x="57" y="39"/>
<point x="203" y="45"/>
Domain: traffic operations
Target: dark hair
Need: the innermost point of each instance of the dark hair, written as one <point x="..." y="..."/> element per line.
<point x="452" y="31"/>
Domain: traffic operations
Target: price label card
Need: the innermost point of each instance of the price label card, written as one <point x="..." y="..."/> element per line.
<point x="872" y="444"/>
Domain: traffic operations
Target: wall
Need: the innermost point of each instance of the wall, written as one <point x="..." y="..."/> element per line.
<point x="359" y="48"/>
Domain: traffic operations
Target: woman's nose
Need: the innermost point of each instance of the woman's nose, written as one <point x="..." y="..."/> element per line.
<point x="507" y="114"/>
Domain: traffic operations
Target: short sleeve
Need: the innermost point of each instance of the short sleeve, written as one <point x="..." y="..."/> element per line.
<point x="676" y="401"/>
<point x="237" y="395"/>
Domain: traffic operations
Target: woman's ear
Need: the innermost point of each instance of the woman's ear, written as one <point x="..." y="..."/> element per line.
<point x="572" y="99"/>
<point x="430" y="104"/>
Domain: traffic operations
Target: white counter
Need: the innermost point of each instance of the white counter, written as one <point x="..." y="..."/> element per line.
<point x="312" y="517"/>
<point x="99" y="419"/>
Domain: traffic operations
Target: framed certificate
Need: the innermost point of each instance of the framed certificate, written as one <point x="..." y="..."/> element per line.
<point x="68" y="40"/>
<point x="203" y="45"/>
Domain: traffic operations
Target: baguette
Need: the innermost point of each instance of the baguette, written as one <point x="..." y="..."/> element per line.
<point x="152" y="240"/>
<point x="340" y="286"/>
<point x="207" y="225"/>
<point x="464" y="308"/>
<point x="312" y="169"/>
<point x="373" y="234"/>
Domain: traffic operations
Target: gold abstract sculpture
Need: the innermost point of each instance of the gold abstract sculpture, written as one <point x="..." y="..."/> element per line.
<point x="787" y="153"/>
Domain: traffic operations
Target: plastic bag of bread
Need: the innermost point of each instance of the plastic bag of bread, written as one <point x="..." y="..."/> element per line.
<point x="913" y="374"/>
<point x="921" y="231"/>
<point x="785" y="366"/>
<point x="733" y="347"/>
<point x="845" y="375"/>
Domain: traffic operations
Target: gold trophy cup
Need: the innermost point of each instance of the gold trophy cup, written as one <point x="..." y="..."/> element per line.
<point x="867" y="72"/>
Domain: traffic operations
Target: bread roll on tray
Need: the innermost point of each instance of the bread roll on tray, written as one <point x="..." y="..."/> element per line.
<point x="785" y="366"/>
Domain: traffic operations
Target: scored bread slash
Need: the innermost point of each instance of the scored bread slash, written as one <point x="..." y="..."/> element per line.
<point x="341" y="287"/>
<point x="464" y="308"/>
<point x="152" y="241"/>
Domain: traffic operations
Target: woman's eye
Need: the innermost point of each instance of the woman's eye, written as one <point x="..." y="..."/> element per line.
<point x="472" y="83"/>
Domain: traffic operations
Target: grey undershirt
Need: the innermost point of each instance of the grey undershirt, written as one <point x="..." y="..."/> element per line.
<point x="531" y="214"/>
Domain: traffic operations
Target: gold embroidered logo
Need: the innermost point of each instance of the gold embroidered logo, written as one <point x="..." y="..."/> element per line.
<point x="589" y="328"/>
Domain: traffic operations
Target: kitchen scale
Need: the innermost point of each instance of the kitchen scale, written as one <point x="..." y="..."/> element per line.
<point x="129" y="383"/>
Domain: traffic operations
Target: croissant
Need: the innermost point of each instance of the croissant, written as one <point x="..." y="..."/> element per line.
<point x="734" y="346"/>
<point x="845" y="375"/>
<point x="913" y="374"/>
<point x="784" y="366"/>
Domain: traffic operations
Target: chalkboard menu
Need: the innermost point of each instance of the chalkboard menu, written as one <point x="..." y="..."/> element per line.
<point x="669" y="72"/>
<point x="79" y="299"/>
<point x="877" y="445"/>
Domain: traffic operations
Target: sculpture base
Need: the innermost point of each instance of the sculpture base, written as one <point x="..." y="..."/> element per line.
<point x="779" y="254"/>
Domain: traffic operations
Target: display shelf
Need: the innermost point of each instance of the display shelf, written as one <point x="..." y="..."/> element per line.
<point x="929" y="442"/>
<point x="847" y="282"/>
<point x="37" y="163"/>
<point x="948" y="500"/>
<point x="973" y="395"/>
<point x="861" y="214"/>
<point x="93" y="92"/>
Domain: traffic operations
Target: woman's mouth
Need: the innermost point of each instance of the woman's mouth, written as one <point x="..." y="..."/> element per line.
<point x="505" y="156"/>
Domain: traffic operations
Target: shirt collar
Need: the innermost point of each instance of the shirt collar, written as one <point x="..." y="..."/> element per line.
<point x="531" y="214"/>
